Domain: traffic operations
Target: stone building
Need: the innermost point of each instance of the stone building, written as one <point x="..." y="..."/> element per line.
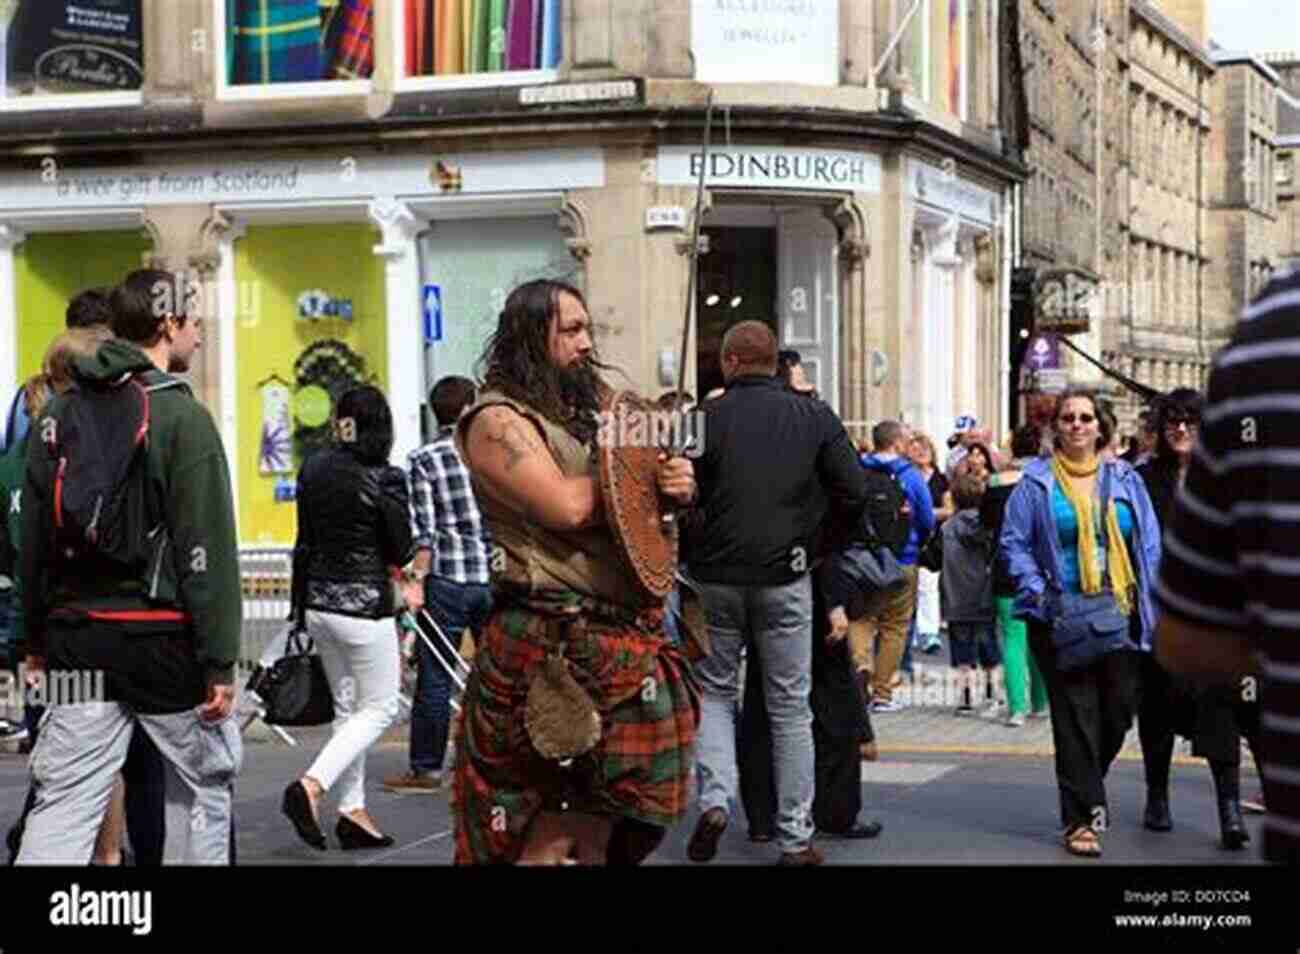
<point x="1287" y="67"/>
<point x="1190" y="199"/>
<point x="359" y="212"/>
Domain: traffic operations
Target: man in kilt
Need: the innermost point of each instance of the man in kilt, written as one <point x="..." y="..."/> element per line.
<point x="572" y="643"/>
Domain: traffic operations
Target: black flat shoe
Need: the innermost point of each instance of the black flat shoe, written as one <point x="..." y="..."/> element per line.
<point x="352" y="836"/>
<point x="1156" y="817"/>
<point x="296" y="806"/>
<point x="858" y="830"/>
<point x="1231" y="826"/>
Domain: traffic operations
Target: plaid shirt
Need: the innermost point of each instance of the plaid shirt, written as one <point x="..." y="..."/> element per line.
<point x="444" y="514"/>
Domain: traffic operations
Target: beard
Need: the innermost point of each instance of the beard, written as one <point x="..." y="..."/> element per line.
<point x="579" y="389"/>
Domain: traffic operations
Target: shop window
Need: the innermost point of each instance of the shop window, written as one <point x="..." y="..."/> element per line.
<point x="1284" y="168"/>
<point x="914" y="60"/>
<point x="61" y="54"/>
<point x="478" y="42"/>
<point x="476" y="263"/>
<point x="274" y="47"/>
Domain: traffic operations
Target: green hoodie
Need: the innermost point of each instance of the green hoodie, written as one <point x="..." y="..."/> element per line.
<point x="195" y="565"/>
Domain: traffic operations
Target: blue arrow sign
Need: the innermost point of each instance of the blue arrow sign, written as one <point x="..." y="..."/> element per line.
<point x="432" y="313"/>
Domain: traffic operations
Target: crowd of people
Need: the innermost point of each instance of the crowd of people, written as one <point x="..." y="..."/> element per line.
<point x="597" y="715"/>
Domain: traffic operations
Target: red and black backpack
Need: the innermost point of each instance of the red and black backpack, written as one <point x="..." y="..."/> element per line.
<point x="98" y="441"/>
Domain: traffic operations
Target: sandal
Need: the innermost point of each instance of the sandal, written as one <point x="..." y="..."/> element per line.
<point x="1083" y="841"/>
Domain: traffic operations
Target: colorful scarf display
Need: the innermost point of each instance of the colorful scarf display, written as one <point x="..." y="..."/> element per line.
<point x="301" y="41"/>
<point x="453" y="37"/>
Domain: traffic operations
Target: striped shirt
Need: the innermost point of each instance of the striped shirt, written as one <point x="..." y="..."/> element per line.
<point x="445" y="517"/>
<point x="1232" y="549"/>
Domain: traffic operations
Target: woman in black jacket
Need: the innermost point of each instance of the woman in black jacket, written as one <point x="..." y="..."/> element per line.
<point x="354" y="535"/>
<point x="1209" y="717"/>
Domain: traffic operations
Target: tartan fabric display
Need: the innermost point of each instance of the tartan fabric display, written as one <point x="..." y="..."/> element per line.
<point x="350" y="40"/>
<point x="644" y="690"/>
<point x="445" y="37"/>
<point x="274" y="41"/>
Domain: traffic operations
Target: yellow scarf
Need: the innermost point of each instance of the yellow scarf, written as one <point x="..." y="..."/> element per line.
<point x="1123" y="582"/>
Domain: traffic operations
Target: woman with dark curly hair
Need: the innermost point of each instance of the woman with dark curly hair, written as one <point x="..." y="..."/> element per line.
<point x="1209" y="717"/>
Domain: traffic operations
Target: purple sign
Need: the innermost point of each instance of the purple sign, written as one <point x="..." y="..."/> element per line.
<point x="1043" y="353"/>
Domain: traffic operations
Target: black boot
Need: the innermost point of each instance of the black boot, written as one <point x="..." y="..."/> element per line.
<point x="1227" y="787"/>
<point x="1157" y="817"/>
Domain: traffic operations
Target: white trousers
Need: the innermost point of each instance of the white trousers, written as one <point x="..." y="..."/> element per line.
<point x="927" y="603"/>
<point x="360" y="657"/>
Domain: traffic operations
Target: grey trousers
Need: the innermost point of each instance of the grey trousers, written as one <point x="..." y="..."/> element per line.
<point x="81" y="749"/>
<point x="776" y="621"/>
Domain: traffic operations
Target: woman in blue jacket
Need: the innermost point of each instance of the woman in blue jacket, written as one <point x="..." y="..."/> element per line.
<point x="1078" y="529"/>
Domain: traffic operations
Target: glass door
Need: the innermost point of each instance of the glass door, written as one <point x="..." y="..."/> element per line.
<point x="737" y="283"/>
<point x="807" y="296"/>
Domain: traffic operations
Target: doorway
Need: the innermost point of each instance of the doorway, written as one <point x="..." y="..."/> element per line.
<point x="776" y="265"/>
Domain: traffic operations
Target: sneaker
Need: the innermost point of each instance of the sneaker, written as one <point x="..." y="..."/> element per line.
<point x="12" y="731"/>
<point x="993" y="710"/>
<point x="886" y="705"/>
<point x="964" y="710"/>
<point x="932" y="644"/>
<point x="1016" y="721"/>
<point x="1040" y="713"/>
<point x="1253" y="806"/>
<point x="414" y="783"/>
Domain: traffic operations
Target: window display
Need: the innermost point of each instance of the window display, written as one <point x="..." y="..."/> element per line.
<point x="299" y="41"/>
<point x="49" y="47"/>
<point x="450" y="37"/>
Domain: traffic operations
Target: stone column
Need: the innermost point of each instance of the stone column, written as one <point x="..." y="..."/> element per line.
<point x="177" y="47"/>
<point x="185" y="239"/>
<point x="226" y="323"/>
<point x="10" y="239"/>
<point x="399" y="227"/>
<point x="855" y="377"/>
<point x="936" y="394"/>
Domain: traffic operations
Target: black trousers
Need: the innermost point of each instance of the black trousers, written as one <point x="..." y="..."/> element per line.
<point x="1092" y="711"/>
<point x="1206" y="715"/>
<point x="840" y="724"/>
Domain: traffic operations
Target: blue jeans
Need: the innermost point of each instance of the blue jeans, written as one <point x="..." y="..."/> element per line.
<point x="455" y="607"/>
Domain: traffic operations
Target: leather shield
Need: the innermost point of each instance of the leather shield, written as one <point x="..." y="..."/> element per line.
<point x="628" y="462"/>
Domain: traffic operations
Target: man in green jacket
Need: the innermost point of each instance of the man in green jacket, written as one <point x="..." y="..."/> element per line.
<point x="166" y="643"/>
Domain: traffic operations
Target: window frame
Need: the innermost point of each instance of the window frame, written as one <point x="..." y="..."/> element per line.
<point x="428" y="84"/>
<point x="223" y="91"/>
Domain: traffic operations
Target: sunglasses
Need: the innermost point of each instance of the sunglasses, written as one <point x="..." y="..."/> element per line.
<point x="1082" y="418"/>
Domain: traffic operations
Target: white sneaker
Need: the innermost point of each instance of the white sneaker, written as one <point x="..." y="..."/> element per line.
<point x="1016" y="721"/>
<point x="880" y="705"/>
<point x="1040" y="714"/>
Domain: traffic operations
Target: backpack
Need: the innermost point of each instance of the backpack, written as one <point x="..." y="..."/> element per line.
<point x="104" y="513"/>
<point x="887" y="510"/>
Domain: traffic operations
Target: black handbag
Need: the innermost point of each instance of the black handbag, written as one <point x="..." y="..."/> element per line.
<point x="861" y="577"/>
<point x="295" y="691"/>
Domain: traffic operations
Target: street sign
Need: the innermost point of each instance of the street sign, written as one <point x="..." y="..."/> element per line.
<point x="1044" y="352"/>
<point x="432" y="300"/>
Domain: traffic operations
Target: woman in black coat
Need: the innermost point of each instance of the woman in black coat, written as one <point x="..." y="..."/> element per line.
<point x="1211" y="718"/>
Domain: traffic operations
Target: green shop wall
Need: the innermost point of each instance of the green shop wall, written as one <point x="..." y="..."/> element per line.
<point x="50" y="268"/>
<point x="273" y="266"/>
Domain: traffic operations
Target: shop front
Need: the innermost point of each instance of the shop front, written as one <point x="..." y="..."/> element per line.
<point x="312" y="274"/>
<point x="957" y="319"/>
<point x="780" y="221"/>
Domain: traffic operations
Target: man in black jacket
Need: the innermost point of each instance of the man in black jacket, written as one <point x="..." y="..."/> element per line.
<point x="774" y="461"/>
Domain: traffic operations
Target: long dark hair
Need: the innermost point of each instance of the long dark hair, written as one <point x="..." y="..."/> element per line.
<point x="364" y="424"/>
<point x="517" y="361"/>
<point x="1181" y="402"/>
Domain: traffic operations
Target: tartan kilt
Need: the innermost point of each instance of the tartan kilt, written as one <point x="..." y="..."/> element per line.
<point x="640" y="769"/>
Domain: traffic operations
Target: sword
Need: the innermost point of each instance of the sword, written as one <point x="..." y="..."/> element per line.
<point x="677" y="444"/>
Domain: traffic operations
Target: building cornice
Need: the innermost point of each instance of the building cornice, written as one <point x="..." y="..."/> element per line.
<point x="1162" y="23"/>
<point x="130" y="137"/>
<point x="1234" y="58"/>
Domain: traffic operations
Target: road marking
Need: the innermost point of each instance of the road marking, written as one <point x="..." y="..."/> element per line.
<point x="921" y="748"/>
<point x="398" y="851"/>
<point x="904" y="773"/>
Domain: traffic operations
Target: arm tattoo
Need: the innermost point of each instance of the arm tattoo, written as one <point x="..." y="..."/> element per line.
<point x="516" y="442"/>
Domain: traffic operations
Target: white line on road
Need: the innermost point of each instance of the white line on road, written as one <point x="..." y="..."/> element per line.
<point x="398" y="851"/>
